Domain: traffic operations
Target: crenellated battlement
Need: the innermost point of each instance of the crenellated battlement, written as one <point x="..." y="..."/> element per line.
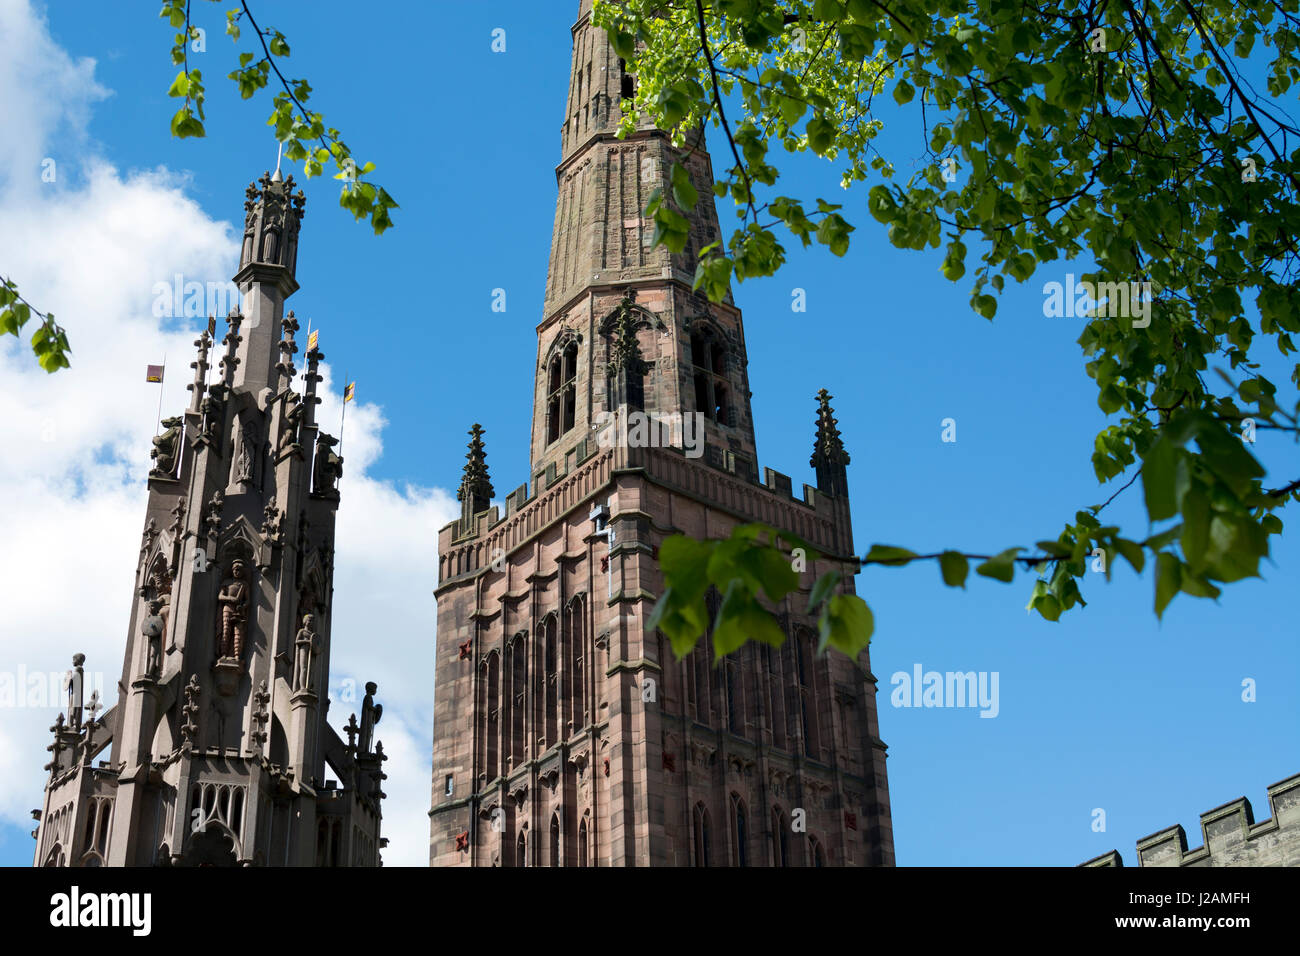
<point x="819" y="518"/>
<point x="1229" y="836"/>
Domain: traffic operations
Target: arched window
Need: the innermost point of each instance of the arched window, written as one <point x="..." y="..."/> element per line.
<point x="780" y="839"/>
<point x="627" y="82"/>
<point x="818" y="854"/>
<point x="701" y="835"/>
<point x="562" y="392"/>
<point x="700" y="682"/>
<point x="521" y="850"/>
<point x="808" y="704"/>
<point x="739" y="831"/>
<point x="776" y="688"/>
<point x="575" y="660"/>
<point x="735" y="707"/>
<point x="709" y="363"/>
<point x="555" y="839"/>
<point x="489" y="709"/>
<point x="582" y="842"/>
<point x="518" y="665"/>
<point x="551" y="677"/>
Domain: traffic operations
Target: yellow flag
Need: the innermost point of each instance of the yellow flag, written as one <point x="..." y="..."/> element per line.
<point x="349" y="393"/>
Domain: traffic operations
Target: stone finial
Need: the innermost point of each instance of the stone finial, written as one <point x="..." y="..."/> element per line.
<point x="211" y="524"/>
<point x="352" y="729"/>
<point x="288" y="347"/>
<point x="273" y="522"/>
<point x="230" y="361"/>
<point x="475" y="491"/>
<point x="178" y="519"/>
<point x="829" y="458"/>
<point x="311" y="380"/>
<point x="56" y="748"/>
<point x="93" y="708"/>
<point x="190" y="712"/>
<point x="200" y="365"/>
<point x="261" y="715"/>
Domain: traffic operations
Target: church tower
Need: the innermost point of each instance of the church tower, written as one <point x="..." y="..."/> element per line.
<point x="218" y="746"/>
<point x="565" y="732"/>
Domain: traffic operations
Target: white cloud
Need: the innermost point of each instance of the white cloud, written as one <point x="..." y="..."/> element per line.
<point x="74" y="446"/>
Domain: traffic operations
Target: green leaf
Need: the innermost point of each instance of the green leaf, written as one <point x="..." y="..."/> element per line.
<point x="681" y="621"/>
<point x="1159" y="469"/>
<point x="1227" y="457"/>
<point x="889" y="555"/>
<point x="741" y="618"/>
<point x="1168" y="578"/>
<point x="1132" y="552"/>
<point x="903" y="92"/>
<point x="1000" y="567"/>
<point x="1236" y="544"/>
<point x="822" y="589"/>
<point x="1044" y="602"/>
<point x="772" y="569"/>
<point x="1196" y="527"/>
<point x="985" y="305"/>
<point x="954" y="567"/>
<point x="847" y="624"/>
<point x="684" y="192"/>
<point x="821" y="134"/>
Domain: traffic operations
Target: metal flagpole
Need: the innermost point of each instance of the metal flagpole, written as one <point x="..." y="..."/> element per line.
<point x="344" y="417"/>
<point x="304" y="355"/>
<point x="162" y="378"/>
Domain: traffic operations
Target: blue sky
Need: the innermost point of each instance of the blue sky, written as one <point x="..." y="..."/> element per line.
<point x="1108" y="709"/>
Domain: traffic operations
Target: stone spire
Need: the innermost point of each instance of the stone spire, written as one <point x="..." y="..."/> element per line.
<point x="234" y="587"/>
<point x="829" y="457"/>
<point x="475" y="492"/>
<point x="623" y="326"/>
<point x="268" y="262"/>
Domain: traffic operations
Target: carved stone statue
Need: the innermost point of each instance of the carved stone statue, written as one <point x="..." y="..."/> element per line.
<point x="370" y="714"/>
<point x="166" y="448"/>
<point x="233" y="601"/>
<point x="306" y="645"/>
<point x="151" y="629"/>
<point x="293" y="412"/>
<point x="244" y="464"/>
<point x="214" y="412"/>
<point x="328" y="467"/>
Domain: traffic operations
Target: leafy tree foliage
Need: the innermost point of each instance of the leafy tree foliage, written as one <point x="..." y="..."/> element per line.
<point x="1119" y="132"/>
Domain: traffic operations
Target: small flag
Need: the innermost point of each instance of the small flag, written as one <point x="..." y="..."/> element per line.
<point x="153" y="373"/>
<point x="212" y="326"/>
<point x="313" y="338"/>
<point x="349" y="393"/>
